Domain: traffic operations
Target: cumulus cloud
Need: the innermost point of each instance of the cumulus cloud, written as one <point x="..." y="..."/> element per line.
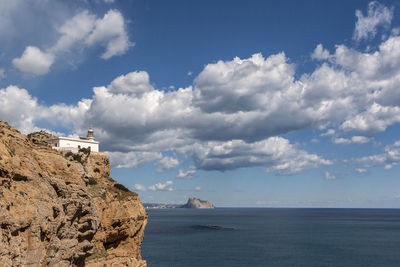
<point x="110" y="30"/>
<point x="388" y="159"/>
<point x="34" y="61"/>
<point x="82" y="30"/>
<point x="2" y="73"/>
<point x="134" y="83"/>
<point x="139" y="187"/>
<point x="234" y="113"/>
<point x="187" y="174"/>
<point x="377" y="15"/>
<point x="275" y="153"/>
<point x="197" y="188"/>
<point x="74" y="31"/>
<point x="360" y="139"/>
<point x="18" y="108"/>
<point x="167" y="186"/>
<point x="353" y="140"/>
<point x="341" y="140"/>
<point x="240" y="105"/>
<point x="320" y="53"/>
<point x="329" y="132"/>
<point x="23" y="111"/>
<point x="168" y="163"/>
<point x="132" y="159"/>
<point x="375" y="119"/>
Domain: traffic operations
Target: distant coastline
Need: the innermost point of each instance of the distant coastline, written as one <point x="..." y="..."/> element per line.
<point x="192" y="203"/>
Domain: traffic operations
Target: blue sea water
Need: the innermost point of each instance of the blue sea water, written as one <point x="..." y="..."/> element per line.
<point x="272" y="237"/>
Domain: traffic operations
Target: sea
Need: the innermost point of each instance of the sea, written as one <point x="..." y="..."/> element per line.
<point x="227" y="237"/>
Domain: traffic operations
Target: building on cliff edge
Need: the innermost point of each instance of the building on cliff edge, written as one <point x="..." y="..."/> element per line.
<point x="74" y="144"/>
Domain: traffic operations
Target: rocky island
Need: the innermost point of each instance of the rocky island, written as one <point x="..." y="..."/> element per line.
<point x="192" y="203"/>
<point x="59" y="208"/>
<point x="196" y="203"/>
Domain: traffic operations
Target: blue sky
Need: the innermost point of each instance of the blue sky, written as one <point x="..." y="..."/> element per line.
<point x="244" y="103"/>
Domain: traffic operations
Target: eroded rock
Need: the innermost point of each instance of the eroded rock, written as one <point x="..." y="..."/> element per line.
<point x="56" y="210"/>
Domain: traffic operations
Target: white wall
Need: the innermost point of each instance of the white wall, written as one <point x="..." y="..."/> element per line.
<point x="66" y="144"/>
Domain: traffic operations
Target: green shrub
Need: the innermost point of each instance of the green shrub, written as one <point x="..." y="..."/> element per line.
<point x="92" y="181"/>
<point x="77" y="158"/>
<point x="74" y="156"/>
<point x="121" y="187"/>
<point x="85" y="150"/>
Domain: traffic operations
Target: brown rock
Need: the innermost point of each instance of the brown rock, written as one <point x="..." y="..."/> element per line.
<point x="63" y="209"/>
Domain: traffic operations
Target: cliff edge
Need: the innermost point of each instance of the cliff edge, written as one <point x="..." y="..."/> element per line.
<point x="62" y="209"/>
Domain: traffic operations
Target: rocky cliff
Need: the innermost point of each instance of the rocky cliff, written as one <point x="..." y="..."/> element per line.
<point x="63" y="209"/>
<point x="195" y="203"/>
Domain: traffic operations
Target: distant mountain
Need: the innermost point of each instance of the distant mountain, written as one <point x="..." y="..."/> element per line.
<point x="192" y="203"/>
<point x="196" y="203"/>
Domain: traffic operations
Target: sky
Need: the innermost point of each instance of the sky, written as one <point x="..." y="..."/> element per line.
<point x="243" y="103"/>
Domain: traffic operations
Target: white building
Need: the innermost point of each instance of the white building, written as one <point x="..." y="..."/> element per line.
<point x="74" y="144"/>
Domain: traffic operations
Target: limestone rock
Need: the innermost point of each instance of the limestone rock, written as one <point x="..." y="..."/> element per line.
<point x="195" y="203"/>
<point x="63" y="209"/>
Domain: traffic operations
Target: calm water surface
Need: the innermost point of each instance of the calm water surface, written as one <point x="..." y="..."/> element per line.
<point x="272" y="237"/>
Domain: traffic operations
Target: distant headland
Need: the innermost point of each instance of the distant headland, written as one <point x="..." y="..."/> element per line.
<point x="192" y="203"/>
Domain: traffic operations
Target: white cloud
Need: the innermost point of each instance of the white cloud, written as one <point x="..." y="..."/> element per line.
<point x="132" y="159"/>
<point x="110" y="30"/>
<point x="330" y="176"/>
<point x="275" y="153"/>
<point x="34" y="61"/>
<point x="139" y="187"/>
<point x="231" y="116"/>
<point x="353" y="140"/>
<point x="361" y="170"/>
<point x="320" y="53"/>
<point x="328" y="133"/>
<point x="377" y="15"/>
<point x="388" y="166"/>
<point x="18" y="108"/>
<point x="134" y="83"/>
<point x="74" y="31"/>
<point x="341" y="140"/>
<point x="168" y="163"/>
<point x="360" y="139"/>
<point x="375" y="119"/>
<point x="167" y="186"/>
<point x="81" y="31"/>
<point x="187" y="174"/>
<point x="2" y="73"/>
<point x="197" y="188"/>
<point x="388" y="159"/>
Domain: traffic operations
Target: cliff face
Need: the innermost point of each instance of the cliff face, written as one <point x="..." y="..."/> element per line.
<point x="63" y="209"/>
<point x="195" y="203"/>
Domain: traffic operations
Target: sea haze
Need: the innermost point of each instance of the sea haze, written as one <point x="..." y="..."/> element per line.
<point x="272" y="237"/>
